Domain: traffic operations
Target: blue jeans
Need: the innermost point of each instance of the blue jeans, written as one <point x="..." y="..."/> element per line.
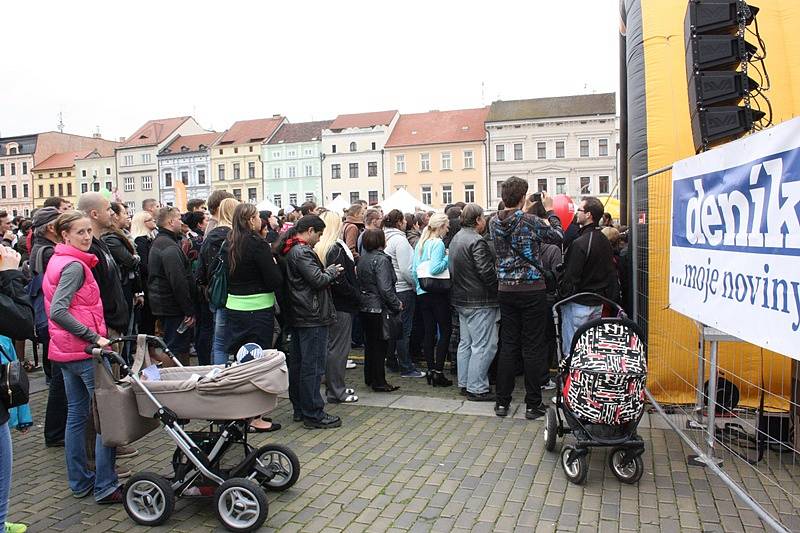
<point x="79" y="386"/>
<point x="477" y="347"/>
<point x="306" y="368"/>
<point x="574" y="316"/>
<point x="408" y="298"/>
<point x="222" y="338"/>
<point x="6" y="459"/>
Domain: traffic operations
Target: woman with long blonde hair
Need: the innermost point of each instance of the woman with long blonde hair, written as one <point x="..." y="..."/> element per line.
<point x="332" y="250"/>
<point x="435" y="306"/>
<point x="143" y="231"/>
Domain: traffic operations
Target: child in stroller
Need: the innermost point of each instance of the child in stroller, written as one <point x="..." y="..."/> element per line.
<point x="600" y="393"/>
<point x="227" y="398"/>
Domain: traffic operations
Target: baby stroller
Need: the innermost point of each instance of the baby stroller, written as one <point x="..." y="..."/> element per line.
<point x="130" y="408"/>
<point x="600" y="394"/>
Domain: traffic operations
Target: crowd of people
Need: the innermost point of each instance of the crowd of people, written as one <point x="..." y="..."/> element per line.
<point x="416" y="290"/>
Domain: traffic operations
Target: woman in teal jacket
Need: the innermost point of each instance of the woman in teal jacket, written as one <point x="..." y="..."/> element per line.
<point x="435" y="306"/>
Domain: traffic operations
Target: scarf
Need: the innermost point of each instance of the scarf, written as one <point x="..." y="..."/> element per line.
<point x="346" y="249"/>
<point x="290" y="242"/>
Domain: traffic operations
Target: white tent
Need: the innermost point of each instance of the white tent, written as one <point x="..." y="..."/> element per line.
<point x="266" y="205"/>
<point x="404" y="201"/>
<point x="338" y="204"/>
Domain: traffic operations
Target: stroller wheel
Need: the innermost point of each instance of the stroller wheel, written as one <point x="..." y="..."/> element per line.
<point x="240" y="504"/>
<point x="627" y="473"/>
<point x="577" y="469"/>
<point x="149" y="499"/>
<point x="550" y="430"/>
<point x="278" y="467"/>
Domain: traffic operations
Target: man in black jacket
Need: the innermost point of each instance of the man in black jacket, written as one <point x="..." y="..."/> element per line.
<point x="312" y="311"/>
<point x="170" y="285"/>
<point x="588" y="267"/>
<point x="474" y="295"/>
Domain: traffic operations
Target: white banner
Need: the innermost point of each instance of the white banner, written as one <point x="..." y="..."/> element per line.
<point x="735" y="251"/>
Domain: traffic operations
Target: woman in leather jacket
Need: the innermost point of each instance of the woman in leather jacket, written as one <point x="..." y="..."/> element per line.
<point x="377" y="279"/>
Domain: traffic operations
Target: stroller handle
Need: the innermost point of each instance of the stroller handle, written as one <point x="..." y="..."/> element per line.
<point x="96" y="351"/>
<point x="602" y="299"/>
<point x="152" y="340"/>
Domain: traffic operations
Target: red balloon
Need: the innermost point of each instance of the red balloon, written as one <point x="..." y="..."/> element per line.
<point x="564" y="208"/>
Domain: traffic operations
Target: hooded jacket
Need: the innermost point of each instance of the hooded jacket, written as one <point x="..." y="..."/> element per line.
<point x="401" y="252"/>
<point x="515" y="232"/>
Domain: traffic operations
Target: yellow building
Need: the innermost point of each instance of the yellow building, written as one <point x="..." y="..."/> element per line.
<point x="56" y="176"/>
<point x="439" y="157"/>
<point x="236" y="164"/>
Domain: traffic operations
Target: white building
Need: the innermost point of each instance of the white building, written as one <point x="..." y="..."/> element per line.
<point x="353" y="162"/>
<point x="96" y="171"/>
<point x="563" y="145"/>
<point x="186" y="159"/>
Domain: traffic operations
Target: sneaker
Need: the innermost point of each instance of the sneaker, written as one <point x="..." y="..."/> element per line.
<point x="114" y="497"/>
<point x="327" y="421"/>
<point x="12" y="527"/>
<point x="413" y="374"/>
<point x="350" y="364"/>
<point x="123" y="472"/>
<point x="532" y="413"/>
<point x="550" y="385"/>
<point x="84" y="493"/>
<point x="126" y="451"/>
<point x="501" y="410"/>
<point x="487" y="396"/>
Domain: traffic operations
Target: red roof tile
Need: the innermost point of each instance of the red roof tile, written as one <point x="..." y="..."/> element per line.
<point x="61" y="160"/>
<point x="251" y="131"/>
<point x="363" y="120"/>
<point x="191" y="143"/>
<point x="302" y="132"/>
<point x="154" y="132"/>
<point x="437" y="127"/>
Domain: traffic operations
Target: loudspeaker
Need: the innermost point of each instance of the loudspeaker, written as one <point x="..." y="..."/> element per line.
<point x="711" y="124"/>
<point x="719" y="87"/>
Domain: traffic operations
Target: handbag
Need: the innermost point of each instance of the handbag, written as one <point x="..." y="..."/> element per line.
<point x="14" y="385"/>
<point x="218" y="283"/>
<point x="433" y="282"/>
<point x="391" y="325"/>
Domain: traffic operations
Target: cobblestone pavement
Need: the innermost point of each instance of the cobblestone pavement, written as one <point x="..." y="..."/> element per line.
<point x="404" y="468"/>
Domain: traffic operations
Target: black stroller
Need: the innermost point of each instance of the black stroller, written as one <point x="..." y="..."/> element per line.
<point x="600" y="393"/>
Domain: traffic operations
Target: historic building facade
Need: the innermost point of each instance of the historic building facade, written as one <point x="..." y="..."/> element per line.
<point x="186" y="159"/>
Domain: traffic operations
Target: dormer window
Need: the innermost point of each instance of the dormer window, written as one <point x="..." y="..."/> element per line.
<point x="352" y="147"/>
<point x="184" y="148"/>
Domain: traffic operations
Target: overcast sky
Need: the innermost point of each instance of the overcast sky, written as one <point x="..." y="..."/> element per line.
<point x="115" y="65"/>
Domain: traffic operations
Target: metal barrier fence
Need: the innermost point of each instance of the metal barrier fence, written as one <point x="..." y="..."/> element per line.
<point x="742" y="424"/>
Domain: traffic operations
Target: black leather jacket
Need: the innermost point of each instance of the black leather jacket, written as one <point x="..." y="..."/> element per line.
<point x="308" y="288"/>
<point x="377" y="279"/>
<point x="171" y="290"/>
<point x="472" y="270"/>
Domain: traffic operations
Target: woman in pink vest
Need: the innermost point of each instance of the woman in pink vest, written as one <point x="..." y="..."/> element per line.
<point x="72" y="303"/>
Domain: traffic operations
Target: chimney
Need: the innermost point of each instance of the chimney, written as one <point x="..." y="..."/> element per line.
<point x="276" y="115"/>
<point x="96" y="136"/>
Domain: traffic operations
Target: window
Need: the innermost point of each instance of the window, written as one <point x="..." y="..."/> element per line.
<point x="69" y="189"/>
<point x="309" y="170"/>
<point x="309" y="197"/>
<point x="561" y="185"/>
<point x="60" y="174"/>
<point x="352" y="147"/>
<point x="237" y="193"/>
<point x="84" y="189"/>
<point x="308" y="152"/>
<point x="400" y="163"/>
<point x="602" y="147"/>
<point x="13" y="169"/>
<point x="52" y="189"/>
<point x="353" y="197"/>
<point x="145" y="158"/>
<point x="185" y="177"/>
<point x="425" y="163"/>
<point x="333" y="148"/>
<point x="499" y="189"/>
<point x="2" y="170"/>
<point x="541" y="185"/>
<point x="276" y="154"/>
<point x="469" y="192"/>
<point x="108" y="171"/>
<point x="518" y="152"/>
<point x="128" y="160"/>
<point x="276" y="199"/>
<point x="236" y="171"/>
<point x="41" y="190"/>
<point x="147" y="183"/>
<point x="373" y="145"/>
<point x="201" y="177"/>
<point x="372" y="169"/>
<point x="251" y="170"/>
<point x="221" y="172"/>
<point x="426" y="194"/>
<point x="25" y="190"/>
<point x="541" y="150"/>
<point x="584" y="148"/>
<point x="60" y="189"/>
<point x="276" y="173"/>
<point x="83" y="173"/>
<point x="220" y="151"/>
<point x="167" y="179"/>
<point x="373" y="197"/>
<point x="353" y="170"/>
<point x="469" y="159"/>
<point x="96" y="186"/>
<point x="293" y="198"/>
<point x="109" y="186"/>
<point x="335" y="195"/>
<point x="292" y="172"/>
<point x="603" y="181"/>
<point x="336" y="171"/>
<point x="251" y="149"/>
<point x="559" y="149"/>
<point x="446" y="161"/>
<point x="3" y="191"/>
<point x="500" y="152"/>
<point x="447" y="194"/>
<point x="291" y="154"/>
<point x="24" y="167"/>
<point x="236" y="150"/>
<point x="131" y="207"/>
<point x="586" y="187"/>
<point x="251" y="194"/>
<point x="51" y="175"/>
